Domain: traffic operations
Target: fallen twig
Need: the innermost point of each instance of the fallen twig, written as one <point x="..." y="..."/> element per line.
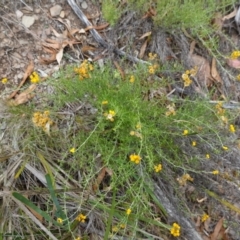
<point x="97" y="37"/>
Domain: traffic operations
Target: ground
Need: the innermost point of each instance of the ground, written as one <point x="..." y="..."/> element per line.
<point x="48" y="42"/>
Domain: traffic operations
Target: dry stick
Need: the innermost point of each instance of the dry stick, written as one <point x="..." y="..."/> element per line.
<point x="97" y="37"/>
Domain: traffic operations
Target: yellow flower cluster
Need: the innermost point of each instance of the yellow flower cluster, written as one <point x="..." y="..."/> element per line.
<point x="186" y="76"/>
<point x="194" y="143"/>
<point x="4" y="80"/>
<point x="152" y="56"/>
<point x="110" y="115"/>
<point x="116" y="228"/>
<point x="235" y="54"/>
<point x="171" y="110"/>
<point x="207" y="156"/>
<point x="132" y="79"/>
<point x="158" y="168"/>
<point x="184" y="178"/>
<point x="81" y="218"/>
<point x="215" y="172"/>
<point x="219" y="108"/>
<point x="204" y="217"/>
<point x="128" y="211"/>
<point x="59" y="220"/>
<point x="232" y="128"/>
<point x="135" y="158"/>
<point x="72" y="150"/>
<point x="42" y="120"/>
<point x="104" y="102"/>
<point x="152" y="68"/>
<point x="34" y="77"/>
<point x="185" y="132"/>
<point x="175" y="230"/>
<point x="137" y="133"/>
<point x="84" y="69"/>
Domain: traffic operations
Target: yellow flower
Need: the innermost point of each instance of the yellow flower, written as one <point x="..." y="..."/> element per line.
<point x="128" y="211"/>
<point x="175" y="230"/>
<point x="184" y="178"/>
<point x="115" y="229"/>
<point x="122" y="226"/>
<point x="152" y="56"/>
<point x="204" y="217"/>
<point x="4" y="80"/>
<point x="185" y="132"/>
<point x="132" y="79"/>
<point x="158" y="168"/>
<point x="171" y="110"/>
<point x="186" y="80"/>
<point x="104" y="102"/>
<point x="34" y="77"/>
<point x="78" y="238"/>
<point x="215" y="172"/>
<point x="152" y="68"/>
<point x="81" y="218"/>
<point x="132" y="133"/>
<point x="207" y="156"/>
<point x="238" y="77"/>
<point x="138" y="126"/>
<point x="225" y="148"/>
<point x="194" y="143"/>
<point x="59" y="220"/>
<point x="235" y="54"/>
<point x="83" y="70"/>
<point x="135" y="158"/>
<point x="110" y="115"/>
<point x="232" y="128"/>
<point x="193" y="71"/>
<point x="72" y="150"/>
<point x="219" y="107"/>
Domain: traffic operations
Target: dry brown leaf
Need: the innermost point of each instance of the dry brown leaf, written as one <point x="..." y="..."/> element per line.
<point x="214" y="72"/>
<point x="234" y="63"/>
<point x="201" y="200"/>
<point x="203" y="66"/>
<point x="147" y="34"/>
<point x="217" y="229"/>
<point x="36" y="214"/>
<point x="87" y="48"/>
<point x="100" y="27"/>
<point x="143" y="49"/>
<point x="23" y="97"/>
<point x="230" y="15"/>
<point x="99" y="179"/>
<point x="204" y="70"/>
<point x="59" y="56"/>
<point x="27" y="73"/>
<point x="119" y="69"/>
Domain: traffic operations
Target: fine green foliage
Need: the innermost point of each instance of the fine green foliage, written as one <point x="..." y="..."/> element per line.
<point x="110" y="11"/>
<point x="172" y="14"/>
<point x="110" y="136"/>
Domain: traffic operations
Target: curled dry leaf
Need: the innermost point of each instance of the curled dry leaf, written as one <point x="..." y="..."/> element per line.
<point x="23" y="97"/>
<point x="214" y="72"/>
<point x="203" y="66"/>
<point x="147" y="34"/>
<point x="143" y="49"/>
<point x="217" y="229"/>
<point x="230" y="15"/>
<point x="27" y="73"/>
